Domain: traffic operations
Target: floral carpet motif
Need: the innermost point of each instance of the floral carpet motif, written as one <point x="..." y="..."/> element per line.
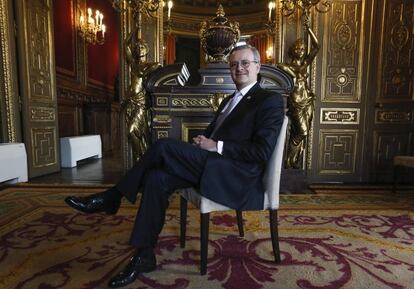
<point x="326" y="241"/>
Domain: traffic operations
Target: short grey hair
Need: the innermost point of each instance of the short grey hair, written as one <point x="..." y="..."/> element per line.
<point x="256" y="54"/>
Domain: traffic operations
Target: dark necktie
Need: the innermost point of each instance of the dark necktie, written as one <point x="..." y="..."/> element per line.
<point x="223" y="114"/>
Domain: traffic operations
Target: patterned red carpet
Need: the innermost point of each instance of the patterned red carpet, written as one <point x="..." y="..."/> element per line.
<point x="327" y="241"/>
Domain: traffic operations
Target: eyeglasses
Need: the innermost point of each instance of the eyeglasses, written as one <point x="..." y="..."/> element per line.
<point x="243" y="63"/>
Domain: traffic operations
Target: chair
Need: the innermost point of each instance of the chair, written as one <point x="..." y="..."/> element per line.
<point x="271" y="182"/>
<point x="399" y="162"/>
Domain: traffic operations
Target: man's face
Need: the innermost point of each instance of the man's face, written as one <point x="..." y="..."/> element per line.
<point x="243" y="68"/>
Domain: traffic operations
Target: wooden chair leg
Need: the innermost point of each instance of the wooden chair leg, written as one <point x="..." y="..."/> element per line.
<point x="204" y="220"/>
<point x="240" y="222"/>
<point x="397" y="172"/>
<point x="274" y="234"/>
<point x="183" y="220"/>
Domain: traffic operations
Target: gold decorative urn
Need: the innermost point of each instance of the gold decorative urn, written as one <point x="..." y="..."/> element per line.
<point x="218" y="36"/>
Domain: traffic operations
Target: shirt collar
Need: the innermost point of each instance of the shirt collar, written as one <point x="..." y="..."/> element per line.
<point x="246" y="89"/>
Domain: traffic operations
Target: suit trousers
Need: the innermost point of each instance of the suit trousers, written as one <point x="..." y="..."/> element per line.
<point x="168" y="165"/>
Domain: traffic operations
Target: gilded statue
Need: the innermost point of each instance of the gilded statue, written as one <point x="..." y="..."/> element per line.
<point x="137" y="103"/>
<point x="301" y="100"/>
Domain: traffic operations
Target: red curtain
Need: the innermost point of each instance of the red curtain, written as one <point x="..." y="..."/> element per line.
<point x="170" y="49"/>
<point x="260" y="42"/>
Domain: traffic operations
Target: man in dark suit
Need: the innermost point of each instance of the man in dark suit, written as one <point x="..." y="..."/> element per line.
<point x="226" y="163"/>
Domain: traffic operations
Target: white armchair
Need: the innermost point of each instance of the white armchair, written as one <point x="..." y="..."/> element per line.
<point x="271" y="182"/>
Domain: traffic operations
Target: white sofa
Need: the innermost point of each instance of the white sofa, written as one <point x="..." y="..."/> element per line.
<point x="76" y="148"/>
<point x="13" y="163"/>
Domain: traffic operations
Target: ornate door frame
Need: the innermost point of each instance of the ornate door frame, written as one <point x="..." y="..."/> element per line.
<point x="10" y="129"/>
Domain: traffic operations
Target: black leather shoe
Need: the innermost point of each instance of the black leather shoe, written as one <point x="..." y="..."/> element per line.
<point x="93" y="204"/>
<point x="136" y="266"/>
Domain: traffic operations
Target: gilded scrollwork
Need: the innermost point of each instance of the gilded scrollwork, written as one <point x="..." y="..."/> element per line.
<point x="147" y="7"/>
<point x="42" y="114"/>
<point x="392" y="116"/>
<point x="216" y="99"/>
<point x="162" y="119"/>
<point x="38" y="54"/>
<point x="343" y="53"/>
<point x="394" y="81"/>
<point x="190" y="102"/>
<point x="340" y="115"/>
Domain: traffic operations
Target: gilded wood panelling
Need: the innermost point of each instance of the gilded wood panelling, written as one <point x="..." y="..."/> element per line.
<point x="343" y="52"/>
<point x="395" y="82"/>
<point x="38" y="84"/>
<point x="42" y="113"/>
<point x="191" y="129"/>
<point x="388" y="144"/>
<point x="162" y="101"/>
<point x="337" y="151"/>
<point x="340" y="115"/>
<point x="190" y="102"/>
<point x="383" y="116"/>
<point x="44" y="146"/>
<point x="161" y="121"/>
<point x="39" y="52"/>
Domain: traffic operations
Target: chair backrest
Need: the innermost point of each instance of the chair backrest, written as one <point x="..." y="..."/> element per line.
<point x="271" y="181"/>
<point x="271" y="178"/>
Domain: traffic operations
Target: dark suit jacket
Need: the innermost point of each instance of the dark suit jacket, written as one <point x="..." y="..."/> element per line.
<point x="249" y="134"/>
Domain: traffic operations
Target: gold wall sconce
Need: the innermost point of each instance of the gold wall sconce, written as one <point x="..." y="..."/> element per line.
<point x="271" y="19"/>
<point x="170" y="5"/>
<point x="91" y="27"/>
<point x="147" y="7"/>
<point x="290" y="6"/>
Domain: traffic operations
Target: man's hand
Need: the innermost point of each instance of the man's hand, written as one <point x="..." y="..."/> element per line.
<point x="205" y="143"/>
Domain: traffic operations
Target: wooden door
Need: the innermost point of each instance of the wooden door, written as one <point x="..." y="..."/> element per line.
<point x="340" y="78"/>
<point x="37" y="84"/>
<point x="392" y="88"/>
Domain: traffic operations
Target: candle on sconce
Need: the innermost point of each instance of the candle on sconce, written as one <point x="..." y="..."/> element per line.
<point x="271" y="6"/>
<point x="101" y="18"/>
<point x="90" y="19"/>
<point x="97" y="17"/>
<point x="270" y="10"/>
<point x="170" y="5"/>
<point x="103" y="30"/>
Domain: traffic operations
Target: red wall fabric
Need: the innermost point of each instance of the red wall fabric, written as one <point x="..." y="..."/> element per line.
<point x="260" y="42"/>
<point x="170" y="49"/>
<point x="64" y="35"/>
<point x="103" y="60"/>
